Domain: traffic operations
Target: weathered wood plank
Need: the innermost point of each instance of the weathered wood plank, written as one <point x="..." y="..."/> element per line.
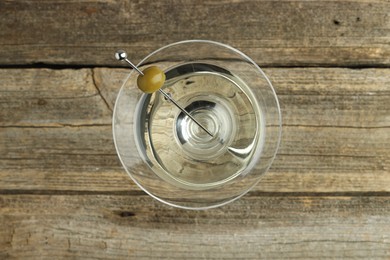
<point x="122" y="227"/>
<point x="272" y="32"/>
<point x="333" y="97"/>
<point x="335" y="136"/>
<point x="43" y="97"/>
<point x="72" y="97"/>
<point x="73" y="158"/>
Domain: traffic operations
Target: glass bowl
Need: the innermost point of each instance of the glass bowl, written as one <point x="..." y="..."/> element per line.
<point x="169" y="156"/>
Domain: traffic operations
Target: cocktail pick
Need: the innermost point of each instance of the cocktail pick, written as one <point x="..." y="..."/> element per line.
<point x="151" y="80"/>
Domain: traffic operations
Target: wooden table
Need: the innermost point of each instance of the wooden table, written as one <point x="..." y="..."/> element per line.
<point x="64" y="194"/>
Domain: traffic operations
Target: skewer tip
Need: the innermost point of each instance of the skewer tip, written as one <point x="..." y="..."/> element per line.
<point x="121" y="55"/>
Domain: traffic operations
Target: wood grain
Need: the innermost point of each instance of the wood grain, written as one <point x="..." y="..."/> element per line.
<point x="64" y="194"/>
<point x="55" y="131"/>
<point x="272" y="32"/>
<point x="137" y="227"/>
<point x="47" y="97"/>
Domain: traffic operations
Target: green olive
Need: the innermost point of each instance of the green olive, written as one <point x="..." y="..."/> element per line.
<point x="152" y="80"/>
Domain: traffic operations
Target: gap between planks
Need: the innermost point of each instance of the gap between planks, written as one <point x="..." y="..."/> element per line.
<point x="249" y="194"/>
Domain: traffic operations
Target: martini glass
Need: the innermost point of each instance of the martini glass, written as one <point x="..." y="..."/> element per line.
<point x="170" y="156"/>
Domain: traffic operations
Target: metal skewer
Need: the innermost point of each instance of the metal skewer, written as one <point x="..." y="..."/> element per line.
<point x="122" y="55"/>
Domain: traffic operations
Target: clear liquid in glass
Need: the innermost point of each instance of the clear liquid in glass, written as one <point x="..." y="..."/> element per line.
<point x="182" y="153"/>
